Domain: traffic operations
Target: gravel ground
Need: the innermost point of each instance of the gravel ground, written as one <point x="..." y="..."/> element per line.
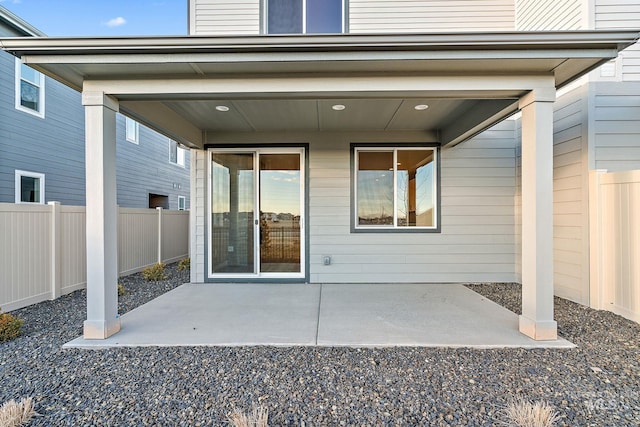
<point x="595" y="384"/>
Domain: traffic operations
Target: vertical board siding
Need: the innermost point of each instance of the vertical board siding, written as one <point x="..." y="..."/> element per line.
<point x="620" y="243"/>
<point x="26" y="248"/>
<point x="225" y="17"/>
<point x="621" y="14"/>
<point x="570" y="206"/>
<point x="137" y="239"/>
<point x="175" y="225"/>
<point x="73" y="257"/>
<point x="25" y="253"/>
<point x="406" y="16"/>
<point x="616" y="121"/>
<point x="539" y="15"/>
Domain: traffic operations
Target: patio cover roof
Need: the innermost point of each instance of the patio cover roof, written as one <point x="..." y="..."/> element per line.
<point x="276" y="83"/>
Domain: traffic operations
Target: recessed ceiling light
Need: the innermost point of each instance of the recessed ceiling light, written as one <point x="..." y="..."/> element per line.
<point x="338" y="107"/>
<point x="421" y="107"/>
<point x="222" y="108"/>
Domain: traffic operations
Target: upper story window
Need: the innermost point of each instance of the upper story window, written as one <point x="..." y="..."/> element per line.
<point x="177" y="154"/>
<point x="304" y="16"/>
<point x="395" y="188"/>
<point x="29" y="89"/>
<point x="29" y="187"/>
<point x="182" y="203"/>
<point x="132" y="130"/>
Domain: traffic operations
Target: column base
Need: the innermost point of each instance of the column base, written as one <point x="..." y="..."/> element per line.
<point x="539" y="331"/>
<point x="100" y="329"/>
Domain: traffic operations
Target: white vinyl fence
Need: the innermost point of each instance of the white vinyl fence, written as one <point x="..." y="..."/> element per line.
<point x="43" y="248"/>
<point x="614" y="212"/>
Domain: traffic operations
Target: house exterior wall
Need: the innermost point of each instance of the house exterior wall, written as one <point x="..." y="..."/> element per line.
<point x="621" y="14"/>
<point x="410" y="16"/>
<point x="570" y="196"/>
<point x="616" y="125"/>
<point x="540" y="15"/>
<point x="477" y="192"/>
<point x="226" y="17"/>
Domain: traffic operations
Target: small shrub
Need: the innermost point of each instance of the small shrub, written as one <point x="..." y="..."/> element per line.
<point x="9" y="327"/>
<point x="520" y="413"/>
<point x="122" y="290"/>
<point x="184" y="264"/>
<point x="13" y="414"/>
<point x="154" y="273"/>
<point x="257" y="417"/>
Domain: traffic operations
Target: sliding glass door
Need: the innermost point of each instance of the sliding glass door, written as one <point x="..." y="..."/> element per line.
<point x="257" y="211"/>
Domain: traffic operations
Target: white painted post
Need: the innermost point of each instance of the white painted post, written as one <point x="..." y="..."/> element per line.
<point x="55" y="251"/>
<point x="102" y="216"/>
<point x="536" y="320"/>
<point x="159" y="210"/>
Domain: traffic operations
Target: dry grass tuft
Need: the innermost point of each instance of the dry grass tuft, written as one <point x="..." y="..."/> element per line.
<point x="13" y="414"/>
<point x="257" y="417"/>
<point x="520" y="413"/>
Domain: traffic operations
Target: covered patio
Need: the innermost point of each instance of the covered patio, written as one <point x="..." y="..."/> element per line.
<point x="324" y="315"/>
<point x="280" y="85"/>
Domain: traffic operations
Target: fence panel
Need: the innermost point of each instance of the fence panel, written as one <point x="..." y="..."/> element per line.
<point x="617" y="243"/>
<point x="25" y="254"/>
<point x="43" y="248"/>
<point x="175" y="225"/>
<point x="137" y="239"/>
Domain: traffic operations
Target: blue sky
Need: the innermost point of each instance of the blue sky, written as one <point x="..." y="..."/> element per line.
<point x="103" y="17"/>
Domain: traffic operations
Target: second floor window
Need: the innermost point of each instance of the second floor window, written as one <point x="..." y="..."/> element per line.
<point x="29" y="89"/>
<point x="304" y="16"/>
<point x="132" y="130"/>
<point x="177" y="154"/>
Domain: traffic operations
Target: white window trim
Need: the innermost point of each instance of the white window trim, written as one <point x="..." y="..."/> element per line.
<point x="182" y="199"/>
<point x="41" y="97"/>
<point x="265" y="17"/>
<point x="136" y="139"/>
<point x="395" y="227"/>
<point x="18" y="188"/>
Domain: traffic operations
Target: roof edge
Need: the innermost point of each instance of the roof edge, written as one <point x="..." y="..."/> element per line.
<point x="19" y="24"/>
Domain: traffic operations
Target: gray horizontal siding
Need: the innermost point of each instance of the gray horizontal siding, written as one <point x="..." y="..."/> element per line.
<point x="621" y="14"/>
<point x="570" y="204"/>
<point x="381" y="16"/>
<point x="54" y="146"/>
<point x="616" y="122"/>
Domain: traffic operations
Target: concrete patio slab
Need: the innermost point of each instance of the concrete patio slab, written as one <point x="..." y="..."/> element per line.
<point x="359" y="315"/>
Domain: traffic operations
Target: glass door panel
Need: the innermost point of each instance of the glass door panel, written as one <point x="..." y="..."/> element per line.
<point x="232" y="213"/>
<point x="280" y="213"/>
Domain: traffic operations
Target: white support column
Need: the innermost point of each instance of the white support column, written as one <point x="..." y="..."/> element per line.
<point x="102" y="216"/>
<point x="536" y="320"/>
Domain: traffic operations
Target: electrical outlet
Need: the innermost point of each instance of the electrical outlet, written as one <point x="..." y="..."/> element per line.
<point x="326" y="259"/>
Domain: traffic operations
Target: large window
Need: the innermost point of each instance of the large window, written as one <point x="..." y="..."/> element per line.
<point x="304" y="16"/>
<point x="132" y="130"/>
<point x="29" y="187"/>
<point x="395" y="188"/>
<point x="29" y="89"/>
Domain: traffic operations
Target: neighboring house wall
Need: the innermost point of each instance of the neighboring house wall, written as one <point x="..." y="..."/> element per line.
<point x="53" y="145"/>
<point x="477" y="191"/>
<point x="621" y="14"/>
<point x="144" y="168"/>
<point x="376" y="16"/>
<point x="540" y="15"/>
